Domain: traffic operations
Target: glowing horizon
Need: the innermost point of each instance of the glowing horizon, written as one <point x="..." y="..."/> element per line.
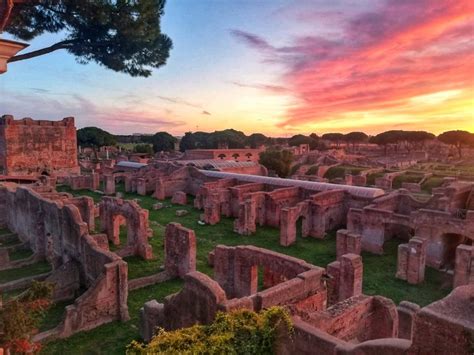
<point x="275" y="67"/>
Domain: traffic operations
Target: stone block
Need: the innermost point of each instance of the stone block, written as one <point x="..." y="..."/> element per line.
<point x="181" y="213"/>
<point x="179" y="198"/>
<point x="157" y="206"/>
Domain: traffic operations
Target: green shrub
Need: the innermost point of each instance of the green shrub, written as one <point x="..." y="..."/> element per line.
<point x="341" y="170"/>
<point x="238" y="332"/>
<point x="295" y="168"/>
<point x="431" y="183"/>
<point x="313" y="170"/>
<point x="372" y="177"/>
<point x="408" y="177"/>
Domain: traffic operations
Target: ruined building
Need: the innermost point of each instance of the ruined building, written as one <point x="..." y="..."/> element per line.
<point x="330" y="313"/>
<point x="30" y="147"/>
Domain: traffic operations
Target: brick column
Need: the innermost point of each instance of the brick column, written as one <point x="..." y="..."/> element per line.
<point x="464" y="266"/>
<point x="351" y="276"/>
<point x="412" y="260"/>
<point x="180" y="250"/>
<point x="347" y="243"/>
<point x="287" y="227"/>
<point x="159" y="190"/>
<point x="109" y="184"/>
<point x="141" y="186"/>
<point x="212" y="209"/>
<point x="406" y="314"/>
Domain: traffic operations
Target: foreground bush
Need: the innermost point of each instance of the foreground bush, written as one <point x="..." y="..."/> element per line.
<point x="239" y="332"/>
<point x="20" y="316"/>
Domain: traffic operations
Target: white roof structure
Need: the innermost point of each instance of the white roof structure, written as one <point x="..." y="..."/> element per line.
<point x="359" y="191"/>
<point x="200" y="163"/>
<point x="130" y="164"/>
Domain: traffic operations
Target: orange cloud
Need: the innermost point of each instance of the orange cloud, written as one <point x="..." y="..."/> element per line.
<point x="369" y="76"/>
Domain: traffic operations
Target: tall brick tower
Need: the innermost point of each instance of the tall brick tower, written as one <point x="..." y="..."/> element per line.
<point x="31" y="147"/>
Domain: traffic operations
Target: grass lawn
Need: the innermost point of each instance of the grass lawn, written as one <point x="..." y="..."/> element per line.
<point x="431" y="183"/>
<point x="8" y="239"/>
<point x="372" y="177"/>
<point x="407" y="177"/>
<point x="112" y="338"/>
<point x="341" y="170"/>
<point x="379" y="273"/>
<point x="20" y="254"/>
<point x="15" y="274"/>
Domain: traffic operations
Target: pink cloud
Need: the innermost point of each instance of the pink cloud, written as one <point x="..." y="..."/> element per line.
<point x="381" y="59"/>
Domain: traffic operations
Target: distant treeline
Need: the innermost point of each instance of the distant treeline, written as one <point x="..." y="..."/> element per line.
<point x="233" y="139"/>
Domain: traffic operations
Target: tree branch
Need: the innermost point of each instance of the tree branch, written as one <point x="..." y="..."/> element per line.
<point x="60" y="45"/>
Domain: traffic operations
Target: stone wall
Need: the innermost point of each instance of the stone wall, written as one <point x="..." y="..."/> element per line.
<point x="446" y="326"/>
<point x="55" y="231"/>
<point x="29" y="147"/>
<point x="437" y="220"/>
<point x="288" y="281"/>
<point x="82" y="182"/>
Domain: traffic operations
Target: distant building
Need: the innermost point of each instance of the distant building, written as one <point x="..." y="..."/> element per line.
<point x="30" y="147"/>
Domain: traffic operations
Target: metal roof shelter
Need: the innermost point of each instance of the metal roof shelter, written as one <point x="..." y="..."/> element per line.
<point x="359" y="191"/>
<point x="217" y="164"/>
<point x="130" y="164"/>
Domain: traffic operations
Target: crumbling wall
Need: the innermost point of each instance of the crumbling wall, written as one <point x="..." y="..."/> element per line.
<point x="114" y="212"/>
<point x="86" y="208"/>
<point x="358" y="319"/>
<point x="446" y="326"/>
<point x="290" y="281"/>
<point x="55" y="231"/>
<point x="82" y="182"/>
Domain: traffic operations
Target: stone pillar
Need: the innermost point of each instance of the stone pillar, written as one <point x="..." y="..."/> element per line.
<point x="128" y="183"/>
<point x="464" y="265"/>
<point x="141" y="186"/>
<point x="333" y="270"/>
<point x="347" y="243"/>
<point x="245" y="224"/>
<point x="348" y="179"/>
<point x="180" y="250"/>
<point x="287" y="227"/>
<point x="406" y="314"/>
<point x="95" y="181"/>
<point x="212" y="209"/>
<point x="351" y="276"/>
<point x="159" y="193"/>
<point x="109" y="184"/>
<point x="412" y="260"/>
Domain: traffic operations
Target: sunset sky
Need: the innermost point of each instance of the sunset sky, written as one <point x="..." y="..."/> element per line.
<point x="275" y="67"/>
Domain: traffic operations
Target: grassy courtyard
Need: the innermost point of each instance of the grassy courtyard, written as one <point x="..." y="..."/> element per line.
<point x="112" y="338"/>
